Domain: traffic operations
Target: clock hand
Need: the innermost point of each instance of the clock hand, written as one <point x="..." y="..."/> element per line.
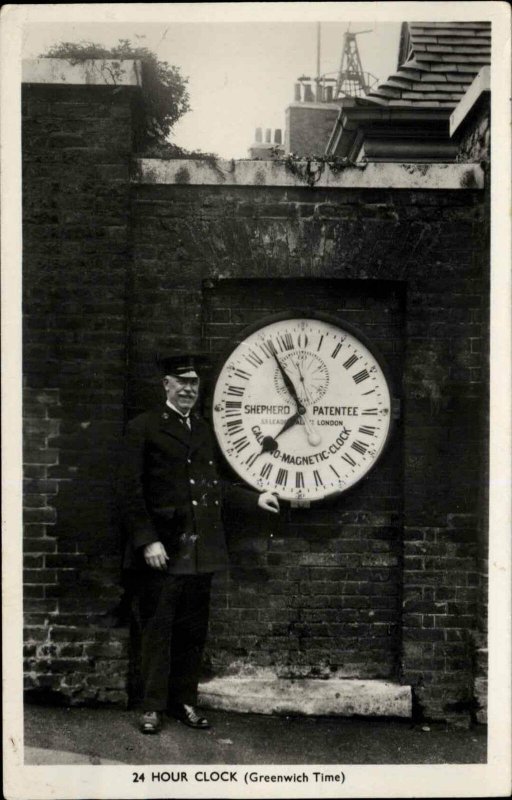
<point x="289" y="385"/>
<point x="307" y="397"/>
<point x="269" y="443"/>
<point x="313" y="436"/>
<point x="290" y="422"/>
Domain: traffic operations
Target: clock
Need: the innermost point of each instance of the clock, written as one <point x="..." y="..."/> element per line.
<point x="302" y="406"/>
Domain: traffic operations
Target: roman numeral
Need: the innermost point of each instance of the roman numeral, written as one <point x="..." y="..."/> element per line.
<point x="318" y="479"/>
<point x="360" y="447"/>
<point x="233" y="408"/>
<point x="370" y="412"/>
<point x="253" y="358"/>
<point x="299" y="480"/>
<point x="370" y="392"/>
<point x="350" y="361"/>
<point x="266" y="470"/>
<point x="361" y="376"/>
<point x="336" y="350"/>
<point x="348" y="458"/>
<point x="285" y="341"/>
<point x="282" y="477"/>
<point x="336" y="473"/>
<point x="241" y="373"/>
<point x="236" y="391"/>
<point x="252" y="458"/>
<point x="234" y="426"/>
<point x="268" y="348"/>
<point x="367" y="430"/>
<point x="320" y="343"/>
<point x="241" y="444"/>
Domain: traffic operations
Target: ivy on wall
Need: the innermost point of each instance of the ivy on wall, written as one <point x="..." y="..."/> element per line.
<point x="165" y="97"/>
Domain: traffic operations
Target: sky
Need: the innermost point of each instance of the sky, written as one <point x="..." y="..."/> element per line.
<point x="241" y="74"/>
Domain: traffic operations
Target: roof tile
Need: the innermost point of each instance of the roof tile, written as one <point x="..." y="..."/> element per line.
<point x="446" y="40"/>
<point x="462" y="58"/>
<point x="457" y="48"/>
<point x="459" y="77"/>
<point x="426" y="39"/>
<point x="455" y="25"/>
<point x="429" y="96"/>
<point x="397" y="83"/>
<point x="433" y="77"/>
<point x="418" y="103"/>
<point x="387" y="91"/>
<point x="423" y="86"/>
<point x="444" y="58"/>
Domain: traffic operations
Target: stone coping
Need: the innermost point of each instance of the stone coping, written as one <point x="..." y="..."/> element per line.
<point x="314" y="105"/>
<point x="246" y="172"/>
<point x="92" y="72"/>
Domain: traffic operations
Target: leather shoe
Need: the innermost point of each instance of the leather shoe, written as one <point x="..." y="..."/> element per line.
<point x="189" y="716"/>
<point x="150" y="722"/>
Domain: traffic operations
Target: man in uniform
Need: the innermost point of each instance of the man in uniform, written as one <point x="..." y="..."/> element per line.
<point x="175" y="540"/>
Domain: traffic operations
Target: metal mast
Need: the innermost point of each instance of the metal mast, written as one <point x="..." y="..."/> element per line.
<point x="352" y="81"/>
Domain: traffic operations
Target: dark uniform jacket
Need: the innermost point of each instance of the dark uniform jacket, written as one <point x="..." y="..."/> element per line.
<point x="171" y="492"/>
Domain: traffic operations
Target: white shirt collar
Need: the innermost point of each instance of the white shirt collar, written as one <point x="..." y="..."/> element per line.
<point x="186" y="416"/>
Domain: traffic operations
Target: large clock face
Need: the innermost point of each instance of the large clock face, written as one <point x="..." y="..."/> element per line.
<point x="301" y="407"/>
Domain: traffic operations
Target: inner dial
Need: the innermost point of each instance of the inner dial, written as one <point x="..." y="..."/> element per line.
<point x="308" y="373"/>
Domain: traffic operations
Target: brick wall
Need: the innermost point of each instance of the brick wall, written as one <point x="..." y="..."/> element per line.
<point x="314" y="592"/>
<point x="429" y="243"/>
<point x="111" y="270"/>
<point x="308" y="128"/>
<point x="475" y="145"/>
<point x="76" y="156"/>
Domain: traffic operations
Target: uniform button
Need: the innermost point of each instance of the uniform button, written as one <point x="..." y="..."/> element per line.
<point x="194" y="502"/>
<point x="192" y="480"/>
<point x="189" y="460"/>
<point x="216" y="502"/>
<point x="215" y="483"/>
<point x="210" y="463"/>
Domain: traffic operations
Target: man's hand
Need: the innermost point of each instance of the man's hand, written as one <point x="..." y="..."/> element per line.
<point x="155" y="555"/>
<point x="269" y="502"/>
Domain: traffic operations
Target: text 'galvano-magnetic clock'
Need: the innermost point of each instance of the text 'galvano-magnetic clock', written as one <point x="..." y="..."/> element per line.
<point x="302" y="407"/>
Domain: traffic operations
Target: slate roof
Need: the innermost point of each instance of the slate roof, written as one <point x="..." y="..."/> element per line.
<point x="439" y="60"/>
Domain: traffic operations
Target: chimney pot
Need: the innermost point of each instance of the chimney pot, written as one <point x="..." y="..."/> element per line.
<point x="297" y="92"/>
<point x="259" y="136"/>
<point x="278" y="139"/>
<point x="268" y="135"/>
<point x="309" y="98"/>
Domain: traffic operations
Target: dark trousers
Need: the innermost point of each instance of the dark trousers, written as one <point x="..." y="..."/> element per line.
<point x="173" y="613"/>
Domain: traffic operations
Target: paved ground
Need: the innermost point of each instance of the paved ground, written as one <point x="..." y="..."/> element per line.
<point x="100" y="736"/>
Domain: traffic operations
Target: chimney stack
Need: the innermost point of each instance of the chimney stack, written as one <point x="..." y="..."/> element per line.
<point x="309" y="96"/>
<point x="266" y="149"/>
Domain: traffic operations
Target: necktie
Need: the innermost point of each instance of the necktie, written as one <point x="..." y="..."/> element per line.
<point x="185" y="421"/>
